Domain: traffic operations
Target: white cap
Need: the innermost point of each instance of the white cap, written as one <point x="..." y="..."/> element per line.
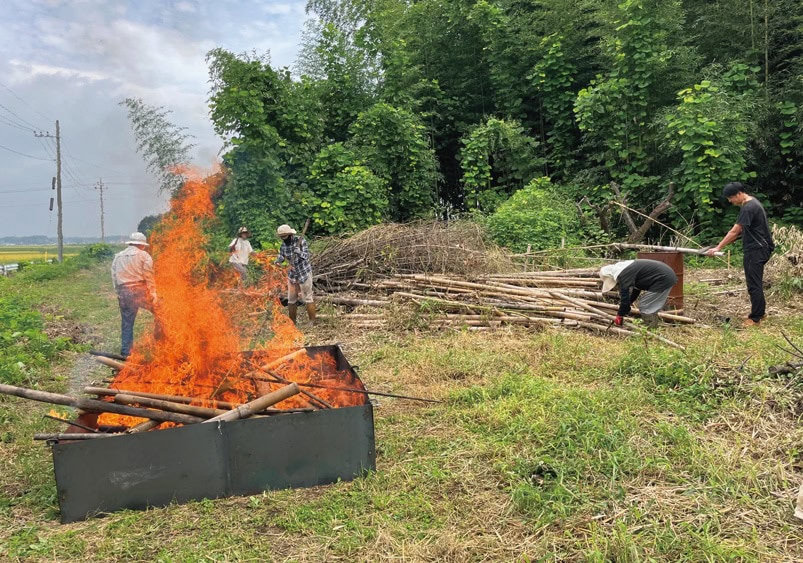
<point x="138" y="239"/>
<point x="285" y="230"/>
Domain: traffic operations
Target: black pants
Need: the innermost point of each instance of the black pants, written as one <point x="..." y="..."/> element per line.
<point x="754" y="261"/>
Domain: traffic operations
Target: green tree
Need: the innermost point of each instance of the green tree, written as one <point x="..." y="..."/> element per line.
<point x="347" y="195"/>
<point x="710" y="128"/>
<point x="393" y="144"/>
<point x="497" y="159"/>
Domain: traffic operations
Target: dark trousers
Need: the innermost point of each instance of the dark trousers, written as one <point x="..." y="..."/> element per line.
<point x="754" y="261"/>
<point x="131" y="298"/>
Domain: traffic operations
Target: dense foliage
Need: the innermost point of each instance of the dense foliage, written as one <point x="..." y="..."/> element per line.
<point x="399" y="110"/>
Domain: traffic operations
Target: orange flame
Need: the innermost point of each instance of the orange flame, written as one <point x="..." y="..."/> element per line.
<point x="204" y="321"/>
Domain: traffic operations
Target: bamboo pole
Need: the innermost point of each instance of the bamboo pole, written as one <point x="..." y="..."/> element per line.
<point x="214" y="403"/>
<point x="612" y="317"/>
<point x="144" y="426"/>
<point x="114" y="364"/>
<point x="202" y="412"/>
<point x="311" y="397"/>
<point x="59" y="436"/>
<point x="249" y="409"/>
<point x="95" y="406"/>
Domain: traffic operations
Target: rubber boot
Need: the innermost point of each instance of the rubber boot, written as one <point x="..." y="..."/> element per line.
<point x="311" y="312"/>
<point x="651" y="320"/>
<point x="292" y="309"/>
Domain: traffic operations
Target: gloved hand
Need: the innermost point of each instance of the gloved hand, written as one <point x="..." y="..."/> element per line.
<point x="619" y="320"/>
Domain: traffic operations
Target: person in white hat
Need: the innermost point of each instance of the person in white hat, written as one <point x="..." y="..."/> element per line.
<point x="295" y="251"/>
<point x="132" y="276"/>
<point x="654" y="278"/>
<point x="240" y="249"/>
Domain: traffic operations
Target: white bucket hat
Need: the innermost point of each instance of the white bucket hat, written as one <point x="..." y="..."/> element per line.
<point x="285" y="230"/>
<point x="138" y="239"/>
<point x="610" y="273"/>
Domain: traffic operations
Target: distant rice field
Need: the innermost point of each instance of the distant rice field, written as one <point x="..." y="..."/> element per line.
<point x="34" y="253"/>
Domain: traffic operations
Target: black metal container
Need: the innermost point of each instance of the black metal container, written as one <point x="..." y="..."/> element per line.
<point x="215" y="460"/>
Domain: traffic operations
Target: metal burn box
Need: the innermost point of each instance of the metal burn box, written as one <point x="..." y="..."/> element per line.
<point x="215" y="460"/>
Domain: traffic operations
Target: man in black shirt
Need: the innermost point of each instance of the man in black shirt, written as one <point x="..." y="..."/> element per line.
<point x="654" y="278"/>
<point x="753" y="227"/>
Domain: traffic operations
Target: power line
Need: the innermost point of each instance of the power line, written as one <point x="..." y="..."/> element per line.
<point x="22" y="119"/>
<point x="23" y="154"/>
<point x="26" y="103"/>
<point x="25" y="191"/>
<point x="6" y="121"/>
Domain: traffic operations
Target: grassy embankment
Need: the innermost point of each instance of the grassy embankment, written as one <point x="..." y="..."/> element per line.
<point x="549" y="446"/>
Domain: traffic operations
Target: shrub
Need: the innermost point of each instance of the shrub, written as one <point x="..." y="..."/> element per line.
<point x="535" y="215"/>
<point x="89" y="256"/>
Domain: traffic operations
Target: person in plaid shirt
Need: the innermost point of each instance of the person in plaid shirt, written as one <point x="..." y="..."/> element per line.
<point x="294" y="251"/>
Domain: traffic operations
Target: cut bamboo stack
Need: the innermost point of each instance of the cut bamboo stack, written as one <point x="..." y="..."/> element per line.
<point x="568" y="298"/>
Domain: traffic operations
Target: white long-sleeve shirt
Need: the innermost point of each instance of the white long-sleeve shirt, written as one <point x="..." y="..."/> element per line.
<point x="133" y="265"/>
<point x="242" y="249"/>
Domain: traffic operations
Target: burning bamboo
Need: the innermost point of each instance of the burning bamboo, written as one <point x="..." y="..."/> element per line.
<point x="257" y="405"/>
<point x="144" y="426"/>
<point x="213" y="403"/>
<point x="92" y="405"/>
<point x="201" y="412"/>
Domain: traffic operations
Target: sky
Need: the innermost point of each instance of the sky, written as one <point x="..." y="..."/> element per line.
<point x="76" y="60"/>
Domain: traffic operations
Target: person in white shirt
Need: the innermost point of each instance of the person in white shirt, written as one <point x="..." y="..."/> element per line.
<point x="132" y="276"/>
<point x="240" y="249"/>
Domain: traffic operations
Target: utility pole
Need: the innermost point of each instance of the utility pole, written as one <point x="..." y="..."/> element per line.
<point x="99" y="187"/>
<point x="59" y="229"/>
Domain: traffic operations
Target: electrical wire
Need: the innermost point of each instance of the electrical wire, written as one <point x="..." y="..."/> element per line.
<point x="25" y="102"/>
<point x="21" y="119"/>
<point x="23" y="154"/>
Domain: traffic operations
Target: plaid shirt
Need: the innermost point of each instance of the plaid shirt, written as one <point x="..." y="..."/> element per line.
<point x="297" y="255"/>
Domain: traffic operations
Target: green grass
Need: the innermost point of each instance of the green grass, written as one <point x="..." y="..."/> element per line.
<point x="548" y="446"/>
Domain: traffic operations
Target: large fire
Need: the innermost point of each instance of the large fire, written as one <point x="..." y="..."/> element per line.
<point x="212" y="336"/>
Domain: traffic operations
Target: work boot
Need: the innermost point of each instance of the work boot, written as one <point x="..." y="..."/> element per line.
<point x="748" y="323"/>
<point x="292" y="310"/>
<point x="651" y="320"/>
<point x="311" y="312"/>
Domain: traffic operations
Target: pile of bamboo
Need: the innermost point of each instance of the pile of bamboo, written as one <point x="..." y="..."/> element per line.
<point x="571" y="298"/>
<point x="456" y="247"/>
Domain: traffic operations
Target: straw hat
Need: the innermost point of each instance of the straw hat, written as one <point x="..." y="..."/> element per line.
<point x="137" y="238"/>
<point x="285" y="230"/>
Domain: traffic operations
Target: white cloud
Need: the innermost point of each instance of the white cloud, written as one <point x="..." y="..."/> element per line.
<point x="74" y="60"/>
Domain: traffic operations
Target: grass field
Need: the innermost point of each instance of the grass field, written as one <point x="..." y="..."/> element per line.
<point x="549" y="446"/>
<point x="16" y="254"/>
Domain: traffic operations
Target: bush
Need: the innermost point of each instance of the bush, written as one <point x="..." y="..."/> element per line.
<point x="88" y="257"/>
<point x="535" y="215"/>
